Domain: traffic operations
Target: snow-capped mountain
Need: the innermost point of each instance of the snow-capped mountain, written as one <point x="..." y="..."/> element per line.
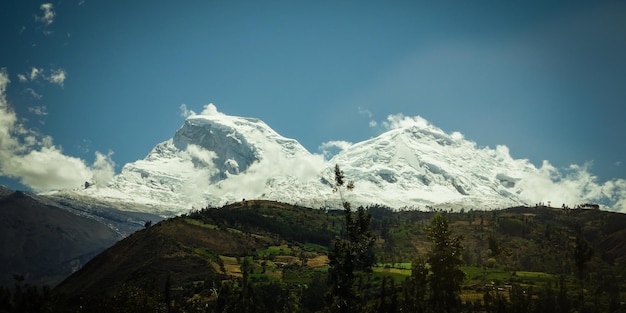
<point x="200" y="163"/>
<point x="423" y="165"/>
<point x="215" y="158"/>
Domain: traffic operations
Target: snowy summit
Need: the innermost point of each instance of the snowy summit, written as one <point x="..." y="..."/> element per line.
<point x="215" y="158"/>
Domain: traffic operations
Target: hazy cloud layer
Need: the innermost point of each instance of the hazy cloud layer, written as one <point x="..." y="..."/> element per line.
<point x="35" y="161"/>
<point x="194" y="187"/>
<point x="184" y="112"/>
<point x="33" y="93"/>
<point x="38" y="110"/>
<point x="368" y="113"/>
<point x="302" y="168"/>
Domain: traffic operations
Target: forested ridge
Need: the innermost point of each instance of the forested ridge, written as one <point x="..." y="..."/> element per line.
<point x="263" y="256"/>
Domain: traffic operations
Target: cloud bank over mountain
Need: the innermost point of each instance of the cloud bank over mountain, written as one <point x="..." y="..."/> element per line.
<point x="34" y="160"/>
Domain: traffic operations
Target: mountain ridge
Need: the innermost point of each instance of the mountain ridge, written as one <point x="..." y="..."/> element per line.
<point x="214" y="159"/>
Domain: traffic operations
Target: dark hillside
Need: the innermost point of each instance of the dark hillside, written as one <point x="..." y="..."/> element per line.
<point x="44" y="243"/>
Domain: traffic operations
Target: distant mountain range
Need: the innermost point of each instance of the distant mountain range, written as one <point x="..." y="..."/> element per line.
<point x="216" y="159"/>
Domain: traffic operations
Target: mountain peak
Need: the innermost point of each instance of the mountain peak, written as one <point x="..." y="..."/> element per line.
<point x="208" y="149"/>
<point x="215" y="158"/>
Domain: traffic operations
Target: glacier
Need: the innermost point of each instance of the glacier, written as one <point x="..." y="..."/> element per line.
<point x="214" y="159"/>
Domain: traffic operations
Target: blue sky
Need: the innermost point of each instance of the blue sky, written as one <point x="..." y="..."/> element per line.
<point x="545" y="78"/>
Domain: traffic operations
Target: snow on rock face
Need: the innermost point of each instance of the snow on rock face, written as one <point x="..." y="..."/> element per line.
<point x="207" y="161"/>
<point x="422" y="166"/>
<point x="214" y="159"/>
<point x="233" y="153"/>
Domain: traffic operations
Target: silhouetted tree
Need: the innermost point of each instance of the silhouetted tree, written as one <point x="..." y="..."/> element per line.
<point x="353" y="251"/>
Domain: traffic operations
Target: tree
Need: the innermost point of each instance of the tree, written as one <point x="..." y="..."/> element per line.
<point x="444" y="259"/>
<point x="351" y="252"/>
<point x="582" y="255"/>
<point x="358" y="240"/>
<point x="415" y="287"/>
<point x="562" y="299"/>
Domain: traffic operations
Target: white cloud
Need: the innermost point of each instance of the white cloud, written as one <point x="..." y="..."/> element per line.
<point x="38" y="110"/>
<point x="57" y="77"/>
<point x="211" y="110"/>
<point x="199" y="181"/>
<point x="33" y="93"/>
<point x="457" y="136"/>
<point x="34" y="73"/>
<point x="301" y="168"/>
<point x="46" y="169"/>
<point x="572" y="186"/>
<point x="399" y="120"/>
<point x="7" y="117"/>
<point x="201" y="155"/>
<point x="184" y="112"/>
<point x="35" y="161"/>
<point x="330" y="148"/>
<point x="365" y="112"/>
<point x="48" y="14"/>
<point x="372" y="123"/>
<point x="341" y="144"/>
<point x="103" y="169"/>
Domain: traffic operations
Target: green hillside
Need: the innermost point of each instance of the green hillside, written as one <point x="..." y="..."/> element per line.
<point x="262" y="256"/>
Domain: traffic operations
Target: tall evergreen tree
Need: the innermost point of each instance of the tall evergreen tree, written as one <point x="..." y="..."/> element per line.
<point x="444" y="259"/>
